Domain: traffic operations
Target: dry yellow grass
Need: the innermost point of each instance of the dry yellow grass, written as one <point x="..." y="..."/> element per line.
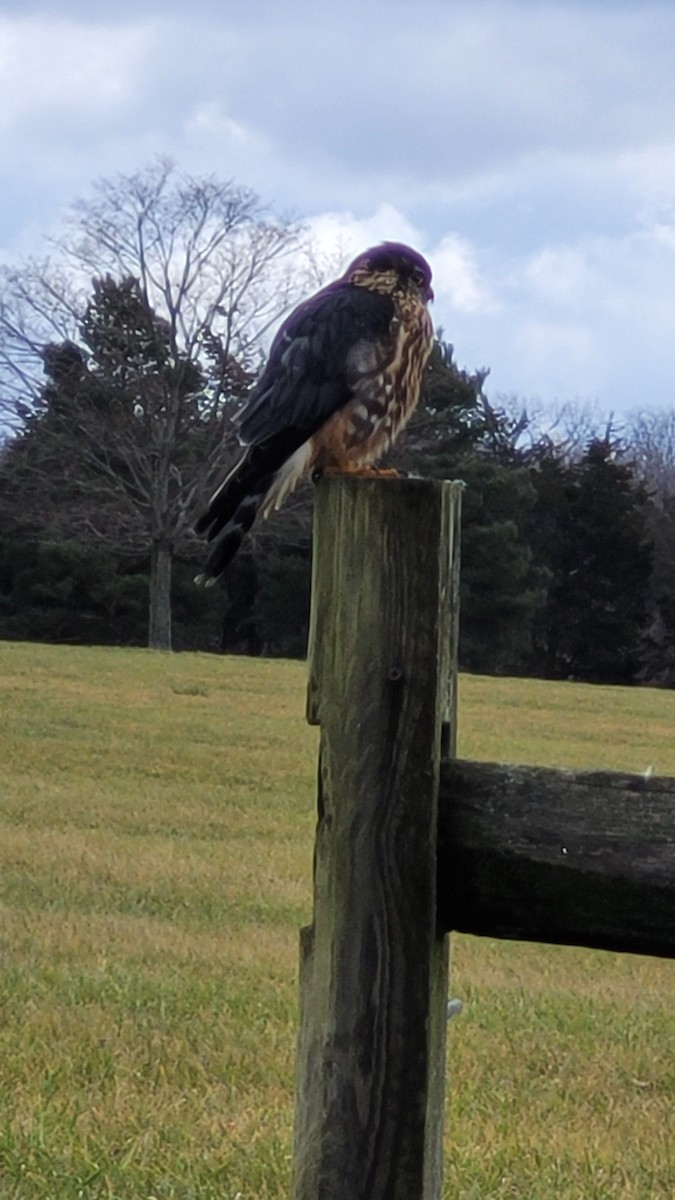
<point x="156" y="829"/>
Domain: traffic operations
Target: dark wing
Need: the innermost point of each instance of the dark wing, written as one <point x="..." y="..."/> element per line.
<point x="305" y="379"/>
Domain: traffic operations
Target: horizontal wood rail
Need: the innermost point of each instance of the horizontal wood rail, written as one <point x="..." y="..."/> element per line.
<point x="584" y="858"/>
<point x="412" y="844"/>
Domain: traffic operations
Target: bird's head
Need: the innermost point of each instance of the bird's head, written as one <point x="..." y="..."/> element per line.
<point x="392" y="267"/>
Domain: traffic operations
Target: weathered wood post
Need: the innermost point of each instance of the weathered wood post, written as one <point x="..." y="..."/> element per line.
<point x="374" y="964"/>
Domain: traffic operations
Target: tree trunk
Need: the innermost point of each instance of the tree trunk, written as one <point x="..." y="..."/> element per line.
<point x="159" y="632"/>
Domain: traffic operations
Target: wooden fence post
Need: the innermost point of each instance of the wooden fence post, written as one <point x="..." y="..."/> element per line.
<point x="374" y="964"/>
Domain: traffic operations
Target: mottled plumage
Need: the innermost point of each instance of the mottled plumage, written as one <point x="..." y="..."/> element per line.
<point x="342" y="379"/>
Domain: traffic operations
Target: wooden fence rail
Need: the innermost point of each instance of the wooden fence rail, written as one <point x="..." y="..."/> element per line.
<point x="581" y="858"/>
<point x="411" y="844"/>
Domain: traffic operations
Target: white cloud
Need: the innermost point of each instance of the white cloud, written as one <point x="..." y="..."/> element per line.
<point x="559" y="276"/>
<point x="457" y="277"/>
<point x="528" y="149"/>
<point x="347" y="234"/>
<point x="211" y="121"/>
<point x="67" y="77"/>
<point x="558" y="349"/>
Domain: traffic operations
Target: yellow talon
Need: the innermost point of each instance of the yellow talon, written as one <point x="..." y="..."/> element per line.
<point x="362" y="472"/>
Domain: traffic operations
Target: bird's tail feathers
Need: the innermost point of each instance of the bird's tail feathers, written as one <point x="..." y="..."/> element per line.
<point x="225" y="499"/>
<point x="227" y="536"/>
<point x="235" y="505"/>
<point x="286" y="479"/>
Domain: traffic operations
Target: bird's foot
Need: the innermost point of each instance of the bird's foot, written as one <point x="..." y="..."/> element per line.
<point x="359" y="472"/>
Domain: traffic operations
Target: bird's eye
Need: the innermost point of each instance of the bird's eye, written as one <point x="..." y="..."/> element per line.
<point x="417" y="277"/>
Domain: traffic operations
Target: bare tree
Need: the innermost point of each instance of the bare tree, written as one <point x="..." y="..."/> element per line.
<point x="564" y="429"/>
<point x="155" y="353"/>
<point x="651" y="441"/>
<point x="651" y="438"/>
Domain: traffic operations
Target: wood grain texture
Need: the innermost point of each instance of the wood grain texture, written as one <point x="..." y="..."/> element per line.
<point x="369" y="1098"/>
<point x="570" y="857"/>
<point x="449" y="732"/>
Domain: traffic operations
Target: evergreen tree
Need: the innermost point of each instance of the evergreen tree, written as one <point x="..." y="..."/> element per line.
<point x="502" y="588"/>
<point x="658" y="655"/>
<point x="67" y="591"/>
<point x="143" y="375"/>
<point x="456" y="433"/>
<point x="590" y="527"/>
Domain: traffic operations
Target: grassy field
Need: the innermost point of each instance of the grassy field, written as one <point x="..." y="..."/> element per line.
<point x="156" y="827"/>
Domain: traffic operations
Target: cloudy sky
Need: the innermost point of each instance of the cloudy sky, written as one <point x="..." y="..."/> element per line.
<point x="528" y="148"/>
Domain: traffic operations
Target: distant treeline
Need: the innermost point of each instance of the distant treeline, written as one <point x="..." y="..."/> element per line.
<point x="567" y="565"/>
<point x="123" y="396"/>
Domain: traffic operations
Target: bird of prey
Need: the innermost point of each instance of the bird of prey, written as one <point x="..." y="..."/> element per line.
<point x="342" y="379"/>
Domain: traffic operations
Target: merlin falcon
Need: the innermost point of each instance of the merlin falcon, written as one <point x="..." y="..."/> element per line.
<point x="342" y="380"/>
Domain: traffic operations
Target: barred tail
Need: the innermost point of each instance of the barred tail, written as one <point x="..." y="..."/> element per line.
<point x="249" y="489"/>
<point x="226" y="522"/>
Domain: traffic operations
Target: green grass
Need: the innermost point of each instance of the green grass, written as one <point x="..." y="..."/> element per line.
<point x="156" y="827"/>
